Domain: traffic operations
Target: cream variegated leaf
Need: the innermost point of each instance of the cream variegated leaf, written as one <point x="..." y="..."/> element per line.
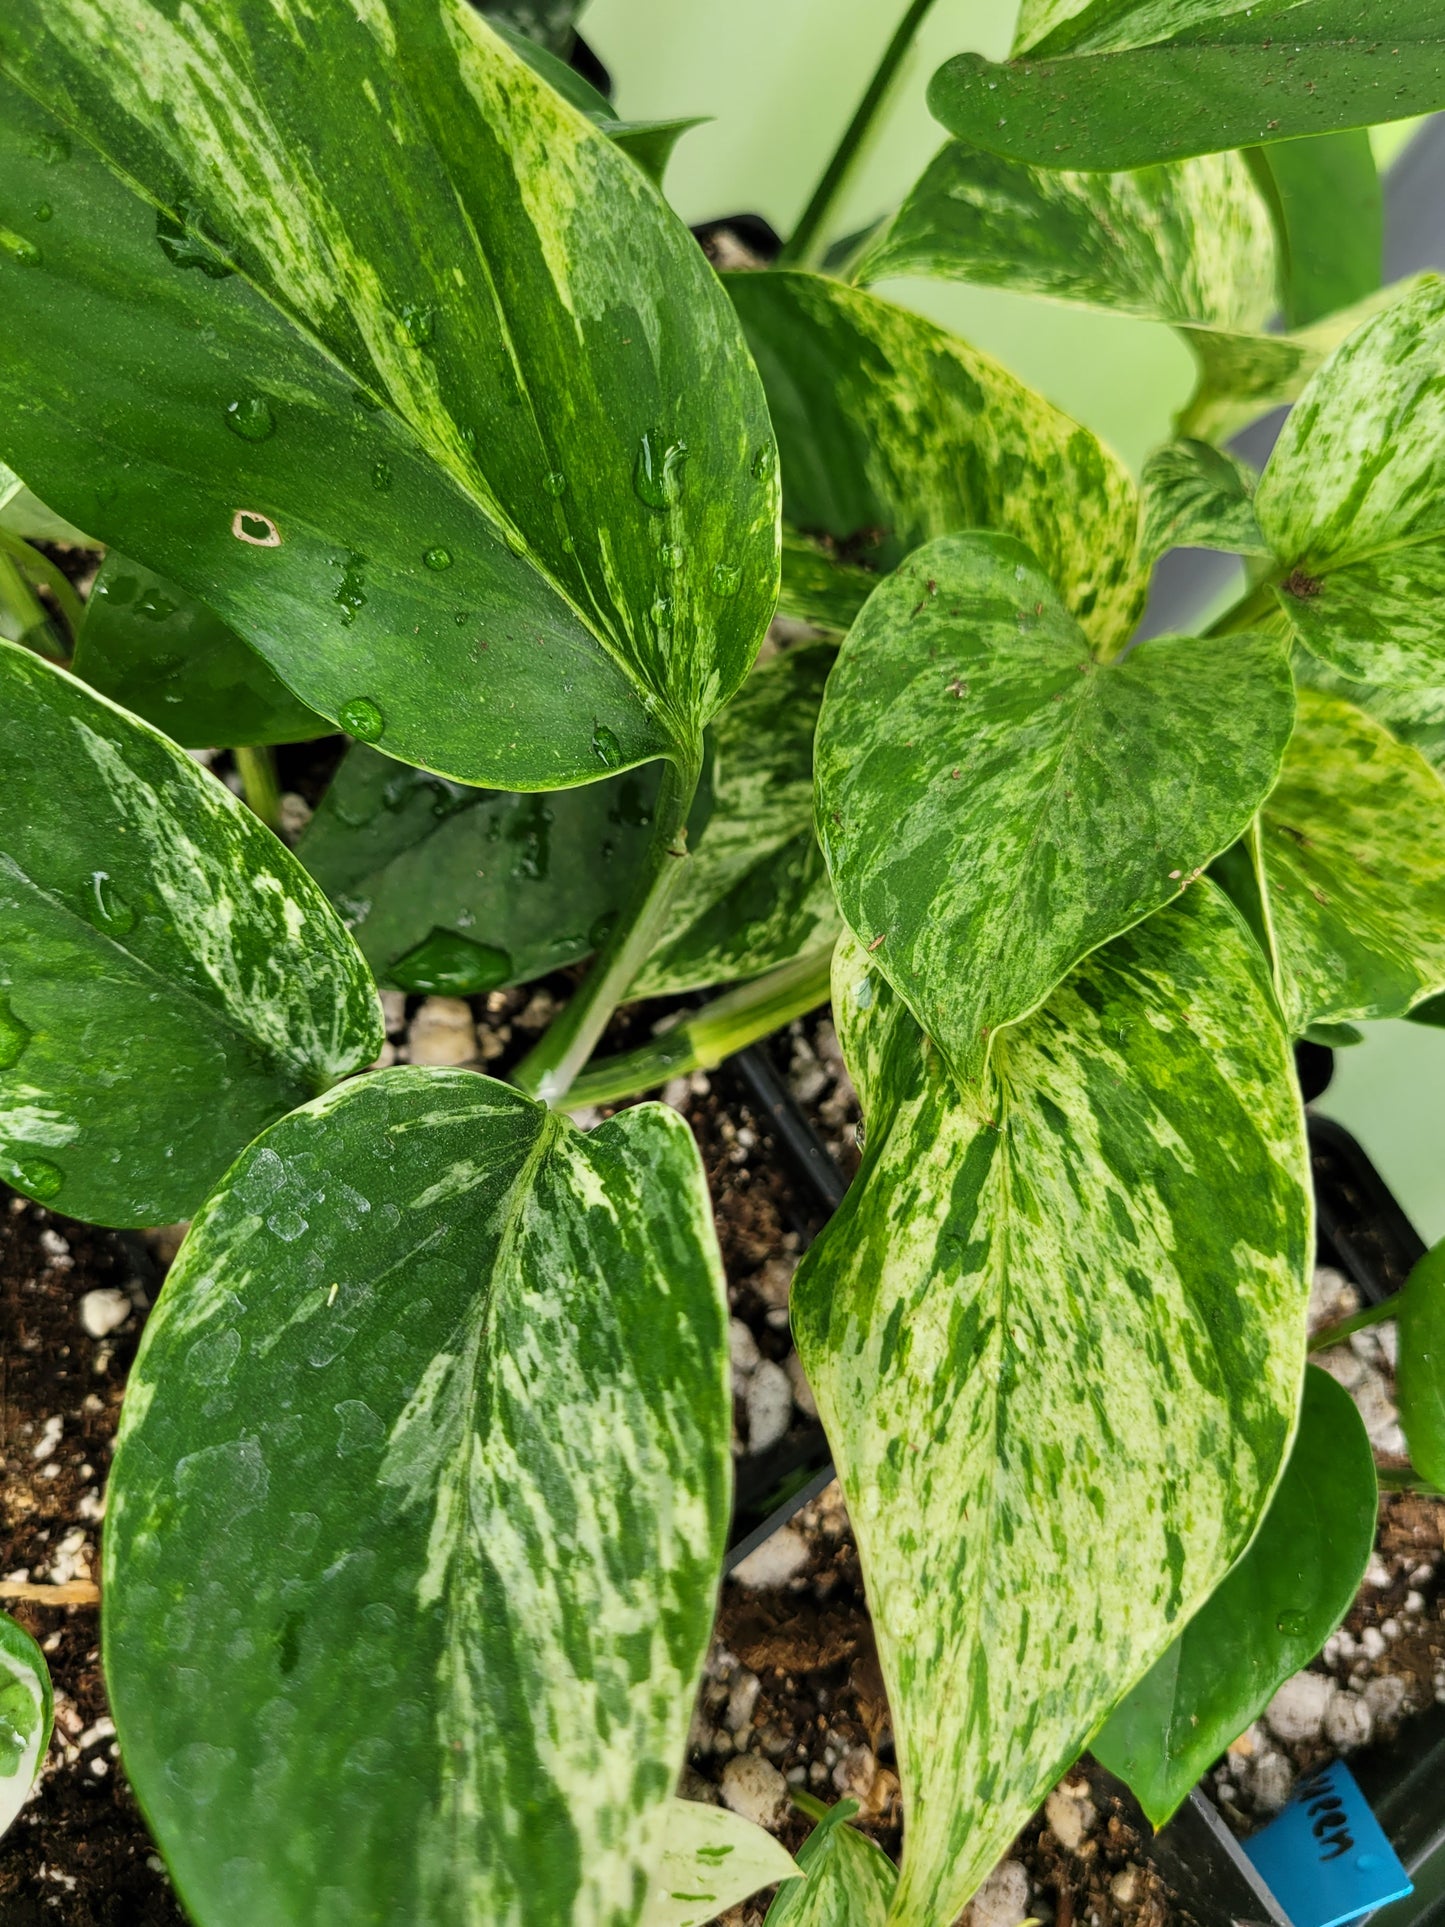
<point x="712" y="1859"/>
<point x="849" y="1879"/>
<point x="439" y="1385"/>
<point x="26" y="1712"/>
<point x="1058" y="1353"/>
<point x="1350" y="848"/>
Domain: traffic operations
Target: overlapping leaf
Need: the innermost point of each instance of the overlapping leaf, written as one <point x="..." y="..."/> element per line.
<point x="1198" y="497"/>
<point x="848" y="1878"/>
<point x="1351" y="850"/>
<point x="1269" y="1617"/>
<point x="161" y="654"/>
<point x="23" y="514"/>
<point x="1330" y="216"/>
<point x="1415" y="715"/>
<point x="420" y="382"/>
<point x="1060" y="1377"/>
<point x="1353" y="499"/>
<point x="26" y="1712"/>
<point x="171" y="980"/>
<point x="892" y="431"/>
<point x="994" y="802"/>
<point x="711" y="1860"/>
<point x="439" y="1384"/>
<point x="1125" y="83"/>
<point x="1420" y="1374"/>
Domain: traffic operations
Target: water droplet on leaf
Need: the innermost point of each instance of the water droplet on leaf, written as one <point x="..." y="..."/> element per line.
<point x="362" y="719"/>
<point x="765" y="461"/>
<point x="605" y="747"/>
<point x="186" y="242"/>
<point x="14" y="1036"/>
<point x="1292" y="1621"/>
<point x="657" y="473"/>
<point x="438" y="558"/>
<point x="251" y="419"/>
<point x="351" y="595"/>
<point x="727" y="579"/>
<point x="38" y="1176"/>
<point x="448" y="964"/>
<point x="602" y="929"/>
<point x="381" y="475"/>
<point x="555" y="484"/>
<point x="51" y="148"/>
<point x="420" y="324"/>
<point x="44" y="212"/>
<point x="111" y="912"/>
<point x="670" y="555"/>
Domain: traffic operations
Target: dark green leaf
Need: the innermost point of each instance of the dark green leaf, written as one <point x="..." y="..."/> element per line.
<point x="1058" y="1355"/>
<point x="1187" y="80"/>
<point x="994" y="802"/>
<point x="1268" y="1618"/>
<point x="1420" y="1374"/>
<point x="24" y="515"/>
<point x="171" y="980"/>
<point x="849" y="1880"/>
<point x="1330" y="213"/>
<point x="156" y="651"/>
<point x="26" y="1712"/>
<point x="470" y="413"/>
<point x="892" y="431"/>
<point x="1198" y="497"/>
<point x="1351" y="848"/>
<point x="460" y="1415"/>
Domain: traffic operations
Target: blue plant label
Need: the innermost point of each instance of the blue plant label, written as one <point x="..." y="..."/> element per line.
<point x="1326" y="1859"/>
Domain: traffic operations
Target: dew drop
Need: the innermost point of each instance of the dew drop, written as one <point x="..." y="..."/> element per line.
<point x="110" y="911"/>
<point x="602" y="928"/>
<point x="251" y="419"/>
<point x="186" y="242"/>
<point x="670" y="555"/>
<point x="18" y="248"/>
<point x="351" y="595"/>
<point x="1292" y="1621"/>
<point x="14" y="1036"/>
<point x="438" y="558"/>
<point x="605" y="747"/>
<point x="727" y="579"/>
<point x="51" y="148"/>
<point x="38" y="1176"/>
<point x="362" y="719"/>
<point x="420" y="323"/>
<point x="448" y="964"/>
<point x="657" y="472"/>
<point x="44" y="212"/>
<point x="662" y="612"/>
<point x="555" y="484"/>
<point x="765" y="461"/>
<point x="381" y="477"/>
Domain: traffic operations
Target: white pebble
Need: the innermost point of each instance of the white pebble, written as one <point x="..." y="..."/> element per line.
<point x="1391" y="1628"/>
<point x="49" y="1438"/>
<point x="1271" y="1782"/>
<point x="393" y="1009"/>
<point x="781" y="1557"/>
<point x="1372" y="1643"/>
<point x="1385" y="1697"/>
<point x="1348" y="1721"/>
<point x="293" y="815"/>
<point x="743" y="1700"/>
<point x="1414" y="1604"/>
<point x="754" y="1788"/>
<point x="1071" y="1814"/>
<point x="104" y="1311"/>
<point x="802" y="1390"/>
<point x="442" y="1033"/>
<point x="769" y="1406"/>
<point x="743" y="1350"/>
<point x="1297" y="1711"/>
<point x="1002" y="1900"/>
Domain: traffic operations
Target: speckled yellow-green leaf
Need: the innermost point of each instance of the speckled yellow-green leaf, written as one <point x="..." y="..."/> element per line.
<point x="849" y="1879"/>
<point x="171" y="980"/>
<point x="438" y="1390"/>
<point x="419" y="381"/>
<point x="1196" y="496"/>
<point x="756" y="892"/>
<point x="26" y="1713"/>
<point x="1190" y="242"/>
<point x="994" y="802"/>
<point x="1415" y="715"/>
<point x="1058" y="1354"/>
<point x="711" y="1860"/>
<point x="1124" y="83"/>
<point x="1353" y="498"/>
<point x="820" y="585"/>
<point x="1351" y="847"/>
<point x="892" y="431"/>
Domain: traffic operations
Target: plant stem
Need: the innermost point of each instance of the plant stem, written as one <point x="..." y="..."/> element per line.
<point x="1357" y="1322"/>
<point x="24" y="561"/>
<point x="257" y="769"/>
<point x="1253" y="606"/>
<point x="548" y="1069"/>
<point x="1409" y="1480"/>
<point x="805" y="247"/>
<point x="705" y="1037"/>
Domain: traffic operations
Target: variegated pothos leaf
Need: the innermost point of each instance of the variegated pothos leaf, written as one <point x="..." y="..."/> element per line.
<point x="1196" y="496"/>
<point x="711" y="1859"/>
<point x="171" y="980"/>
<point x="849" y="1879"/>
<point x="26" y="1712"/>
<point x="458" y="1418"/>
<point x="1058" y="1355"/>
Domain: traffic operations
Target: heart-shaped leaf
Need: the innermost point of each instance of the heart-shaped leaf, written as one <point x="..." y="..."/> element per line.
<point x="1351" y="847"/>
<point x="1420" y="1374"/>
<point x="171" y="980"/>
<point x="1198" y="497"/>
<point x="892" y="431"/>
<point x="1353" y="498"/>
<point x="711" y="1860"/>
<point x="848" y="1878"/>
<point x="1268" y="1618"/>
<point x="1330" y="214"/>
<point x="461" y="1415"/>
<point x="161" y="654"/>
<point x="1194" y="79"/>
<point x="1078" y="1326"/>
<point x="26" y="1713"/>
<point x="994" y="802"/>
<point x="421" y="384"/>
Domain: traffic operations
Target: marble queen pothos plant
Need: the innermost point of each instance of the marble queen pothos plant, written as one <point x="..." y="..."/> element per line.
<point x="363" y="338"/>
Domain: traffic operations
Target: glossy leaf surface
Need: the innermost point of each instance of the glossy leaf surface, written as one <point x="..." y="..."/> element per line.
<point x="159" y="653"/>
<point x="1330" y="211"/>
<point x="892" y="431"/>
<point x="1352" y="847"/>
<point x="994" y="802"/>
<point x="26" y="1713"/>
<point x="471" y="410"/>
<point x="1353" y="499"/>
<point x="23" y="514"/>
<point x="1420" y="1373"/>
<point x="462" y="1415"/>
<point x="1059" y="1375"/>
<point x="1268" y="1618"/>
<point x="171" y="980"/>
<point x="848" y="1878"/>
<point x="1192" y="242"/>
<point x="1197" y="496"/>
<point x="1183" y="80"/>
<point x="711" y="1859"/>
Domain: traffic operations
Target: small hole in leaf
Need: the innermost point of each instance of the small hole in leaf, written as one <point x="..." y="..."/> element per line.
<point x="248" y="525"/>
